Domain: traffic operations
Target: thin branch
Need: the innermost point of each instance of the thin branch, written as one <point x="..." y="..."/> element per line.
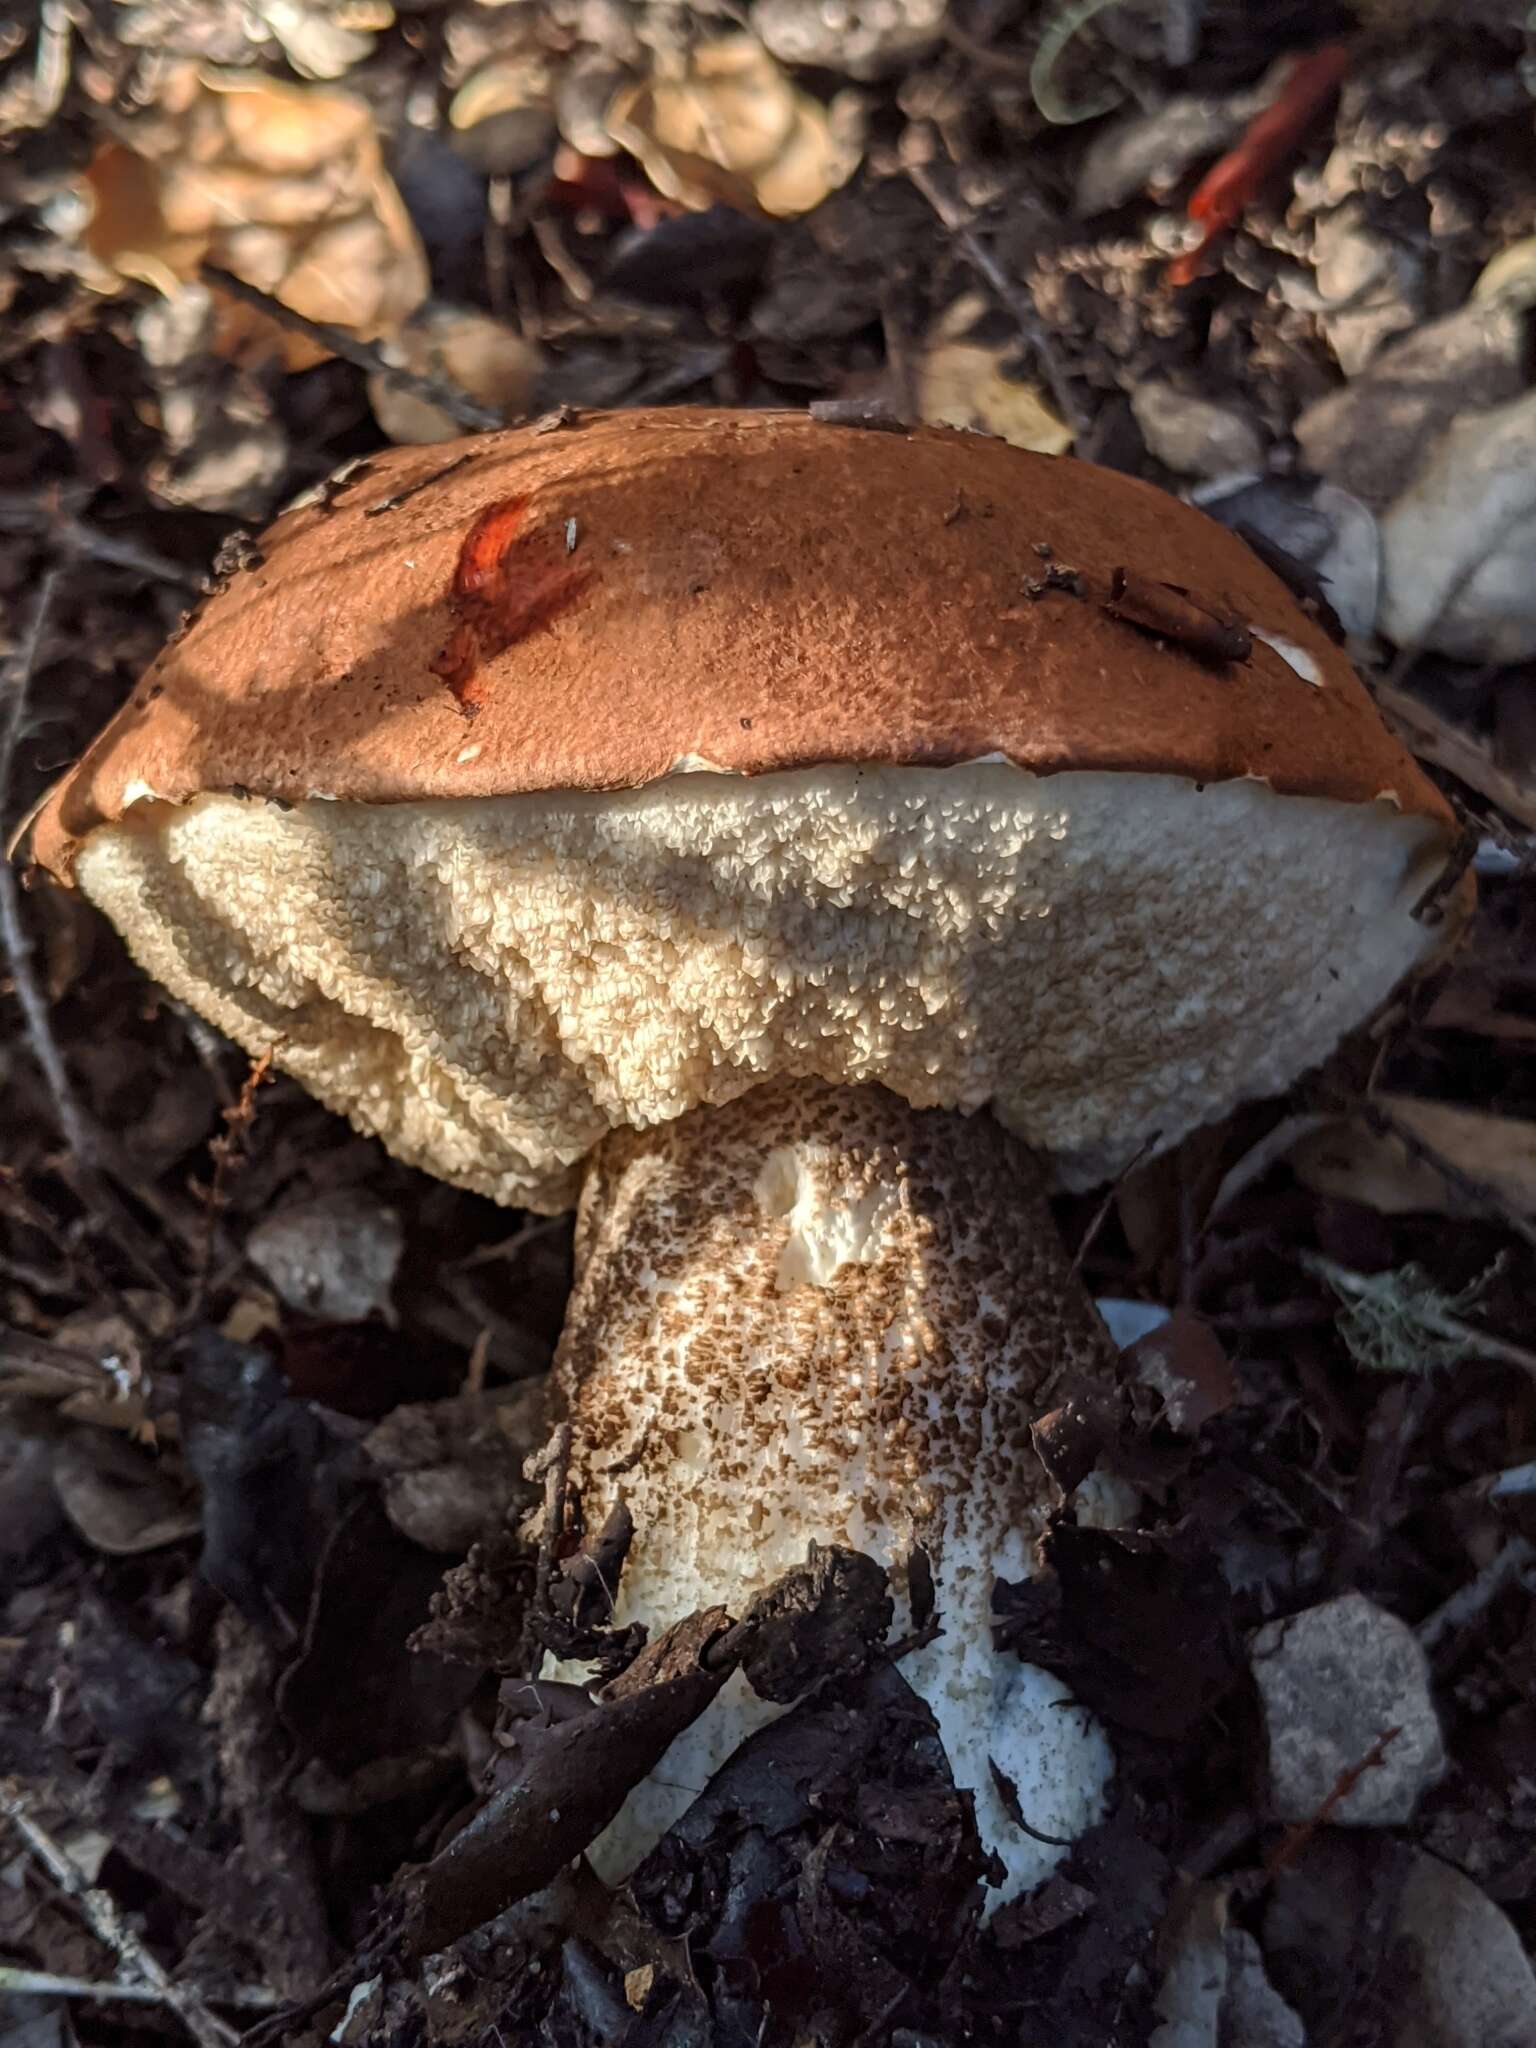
<point x="14" y="935"/>
<point x="363" y="355"/>
<point x="45" y="513"/>
<point x="1514" y="1565"/>
<point x="92" y="1153"/>
<point x="1482" y="1195"/>
<point x="108" y="1925"/>
<point x="1017" y="301"/>
<point x="16" y="1983"/>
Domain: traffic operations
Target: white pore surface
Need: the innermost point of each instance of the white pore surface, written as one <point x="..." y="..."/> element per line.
<point x="489" y="985"/>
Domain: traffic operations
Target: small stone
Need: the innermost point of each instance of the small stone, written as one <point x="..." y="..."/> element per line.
<point x="335" y="1257"/>
<point x="443" y="1509"/>
<point x="1457" y="542"/>
<point x="1331" y="1682"/>
<point x="1371" y="287"/>
<point x="1254" y="2015"/>
<point x="1453" y="1972"/>
<point x="1472" y="1984"/>
<point x="861" y="39"/>
<point x="1195" y="436"/>
<point x="1372" y="435"/>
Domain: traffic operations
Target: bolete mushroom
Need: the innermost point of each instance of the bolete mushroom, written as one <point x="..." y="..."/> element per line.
<point x="799" y="842"/>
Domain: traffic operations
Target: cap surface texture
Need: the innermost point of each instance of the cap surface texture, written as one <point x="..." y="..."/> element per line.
<point x="561" y="782"/>
<point x="755" y="590"/>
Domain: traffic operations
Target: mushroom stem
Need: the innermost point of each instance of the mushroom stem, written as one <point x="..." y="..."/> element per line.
<point x="819" y="1313"/>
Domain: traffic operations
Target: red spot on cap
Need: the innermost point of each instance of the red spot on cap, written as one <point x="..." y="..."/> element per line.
<point x="507" y="583"/>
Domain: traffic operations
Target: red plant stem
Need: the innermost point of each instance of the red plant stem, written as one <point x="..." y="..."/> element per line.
<point x="1270" y="138"/>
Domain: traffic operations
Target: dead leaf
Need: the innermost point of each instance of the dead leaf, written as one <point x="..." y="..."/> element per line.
<point x="121" y="1502"/>
<point x="1186" y="1366"/>
<point x="960" y="382"/>
<point x="1468" y="755"/>
<point x="1349" y="1159"/>
<point x="727" y="124"/>
<point x="468" y="349"/>
<point x="281" y="184"/>
<point x="335" y="1256"/>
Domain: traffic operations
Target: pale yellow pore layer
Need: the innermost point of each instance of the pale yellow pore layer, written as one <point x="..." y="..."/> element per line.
<point x="490" y="985"/>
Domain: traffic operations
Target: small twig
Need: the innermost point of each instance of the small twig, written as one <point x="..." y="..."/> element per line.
<point x="363" y="355"/>
<point x="1395" y="1422"/>
<point x="224" y="1149"/>
<point x="1296" y="1839"/>
<point x="92" y="1153"/>
<point x="276" y="1844"/>
<point x="1481" y="1194"/>
<point x="1100" y="1215"/>
<point x="425" y="483"/>
<point x="578" y="285"/>
<point x="553" y="1465"/>
<point x="43" y="513"/>
<point x="45" y="1984"/>
<point x="985" y="264"/>
<point x="16" y="938"/>
<point x="108" y="1925"/>
<point x="1515" y="1564"/>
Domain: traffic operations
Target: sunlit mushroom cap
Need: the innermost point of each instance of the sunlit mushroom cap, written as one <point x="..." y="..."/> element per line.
<point x="549" y="782"/>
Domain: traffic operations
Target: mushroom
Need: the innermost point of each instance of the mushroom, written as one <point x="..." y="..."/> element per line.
<point x="804" y="844"/>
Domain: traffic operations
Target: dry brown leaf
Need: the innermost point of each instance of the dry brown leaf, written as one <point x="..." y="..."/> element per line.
<point x="506" y="85"/>
<point x="1511" y="274"/>
<point x="121" y="1502"/>
<point x="283" y="185"/>
<point x="960" y="382"/>
<point x="1466" y="754"/>
<point x="1497" y="1153"/>
<point x="472" y="352"/>
<point x="728" y="125"/>
<point x="1471" y="1001"/>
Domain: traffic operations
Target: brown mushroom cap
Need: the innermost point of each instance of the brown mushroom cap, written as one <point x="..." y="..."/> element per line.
<point x="555" y="782"/>
<point x="755" y="590"/>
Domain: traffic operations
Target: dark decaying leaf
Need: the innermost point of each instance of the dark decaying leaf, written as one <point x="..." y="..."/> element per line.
<point x="829" y="1874"/>
<point x="574" y="1781"/>
<point x="1087" y="1980"/>
<point x="254" y="1451"/>
<point x="141" y="1696"/>
<point x="823" y="1618"/>
<point x="358" y="1691"/>
<point x="1184" y="1364"/>
<point x="479" y="1611"/>
<point x="1069" y="1439"/>
<point x="1141" y="1627"/>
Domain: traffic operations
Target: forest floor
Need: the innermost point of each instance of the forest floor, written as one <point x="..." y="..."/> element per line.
<point x="266" y="1396"/>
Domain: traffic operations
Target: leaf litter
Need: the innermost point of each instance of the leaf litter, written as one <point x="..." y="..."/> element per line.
<point x="270" y="1623"/>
